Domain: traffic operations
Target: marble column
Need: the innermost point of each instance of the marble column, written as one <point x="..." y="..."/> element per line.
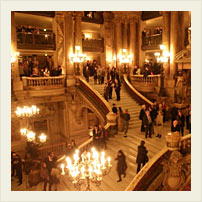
<point x="68" y="47"/>
<point x="166" y="38"/>
<point x="125" y="35"/>
<point x="133" y="41"/>
<point x="140" y="54"/>
<point x="15" y="74"/>
<point x="78" y="31"/>
<point x="175" y="45"/>
<point x="108" y="34"/>
<point x="118" y="40"/>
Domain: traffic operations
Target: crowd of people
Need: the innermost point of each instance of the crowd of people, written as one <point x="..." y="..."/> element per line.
<point x="27" y="29"/>
<point x="36" y="170"/>
<point x="156" y="115"/>
<point x="30" y="67"/>
<point x="148" y="33"/>
<point x="149" y="68"/>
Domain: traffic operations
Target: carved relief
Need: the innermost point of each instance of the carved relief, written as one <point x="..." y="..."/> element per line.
<point x="176" y="171"/>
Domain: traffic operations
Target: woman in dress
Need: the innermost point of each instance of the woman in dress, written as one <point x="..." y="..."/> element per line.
<point x="121" y="165"/>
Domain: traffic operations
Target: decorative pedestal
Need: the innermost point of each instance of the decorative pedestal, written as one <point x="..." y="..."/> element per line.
<point x="172" y="140"/>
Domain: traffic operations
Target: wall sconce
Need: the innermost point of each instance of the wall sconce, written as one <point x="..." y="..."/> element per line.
<point x="88" y="35"/>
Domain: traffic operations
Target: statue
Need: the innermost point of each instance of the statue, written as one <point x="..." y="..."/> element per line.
<point x="181" y="90"/>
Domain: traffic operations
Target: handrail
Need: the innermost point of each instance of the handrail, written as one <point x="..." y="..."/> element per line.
<point x="98" y="99"/>
<point x="136" y="180"/>
<point x="141" y="99"/>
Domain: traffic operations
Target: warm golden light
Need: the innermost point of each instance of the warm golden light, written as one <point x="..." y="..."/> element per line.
<point x="42" y="137"/>
<point x="92" y="166"/>
<point x="27" y="111"/>
<point x="124" y="50"/>
<point x="88" y="35"/>
<point x="157" y="54"/>
<point x="162" y="47"/>
<point x="77" y="48"/>
<point x="46" y="35"/>
<point x="30" y="136"/>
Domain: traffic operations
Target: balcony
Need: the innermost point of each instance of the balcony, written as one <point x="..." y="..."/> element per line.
<point x="93" y="45"/>
<point x="36" y="41"/>
<point x="44" y="86"/>
<point x="151" y="42"/>
<point x="93" y="17"/>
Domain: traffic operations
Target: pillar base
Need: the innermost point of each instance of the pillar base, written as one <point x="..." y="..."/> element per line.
<point x="71" y="81"/>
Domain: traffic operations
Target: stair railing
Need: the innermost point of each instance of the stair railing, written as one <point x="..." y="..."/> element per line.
<point x="136" y="94"/>
<point x="151" y="169"/>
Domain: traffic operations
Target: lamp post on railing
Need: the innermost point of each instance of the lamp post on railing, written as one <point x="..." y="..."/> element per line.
<point x="77" y="58"/>
<point x="125" y="59"/>
<point x="162" y="57"/>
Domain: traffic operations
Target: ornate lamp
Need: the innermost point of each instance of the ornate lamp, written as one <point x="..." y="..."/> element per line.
<point x="90" y="168"/>
<point x="125" y="59"/>
<point x="77" y="58"/>
<point x="162" y="57"/>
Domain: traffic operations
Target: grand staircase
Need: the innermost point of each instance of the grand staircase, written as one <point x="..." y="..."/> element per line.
<point x="127" y="145"/>
<point x="126" y="102"/>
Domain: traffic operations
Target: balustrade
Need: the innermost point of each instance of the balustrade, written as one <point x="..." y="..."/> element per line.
<point x="150" y="79"/>
<point x="151" y="42"/>
<point x="43" y="82"/>
<point x="36" y="41"/>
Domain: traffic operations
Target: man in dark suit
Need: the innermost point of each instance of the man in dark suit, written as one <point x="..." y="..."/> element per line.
<point x="141" y="115"/>
<point x="114" y="109"/>
<point x="142" y="157"/>
<point x="147" y="121"/>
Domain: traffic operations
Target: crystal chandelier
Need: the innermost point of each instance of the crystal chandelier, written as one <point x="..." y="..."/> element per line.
<point x="31" y="136"/>
<point x="27" y="111"/>
<point x="90" y="168"/>
<point x="77" y="57"/>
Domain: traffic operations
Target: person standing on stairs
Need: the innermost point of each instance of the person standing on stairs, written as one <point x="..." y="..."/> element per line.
<point x="110" y="84"/>
<point x="159" y="123"/>
<point x="120" y="120"/>
<point x="147" y="121"/>
<point x="121" y="165"/>
<point x="117" y="87"/>
<point x="114" y="109"/>
<point x="141" y="116"/>
<point x="126" y="117"/>
<point x="106" y="91"/>
<point x="103" y="75"/>
<point x="142" y="157"/>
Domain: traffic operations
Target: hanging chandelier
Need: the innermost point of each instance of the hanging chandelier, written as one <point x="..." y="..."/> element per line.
<point x="90" y="168"/>
<point x="27" y="111"/>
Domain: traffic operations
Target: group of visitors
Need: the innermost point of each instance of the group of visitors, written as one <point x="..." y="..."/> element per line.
<point x="156" y="115"/>
<point x="94" y="70"/>
<point x="123" y="119"/>
<point x="147" y="36"/>
<point x="30" y="68"/>
<point x="27" y="29"/>
<point x="141" y="160"/>
<point x="178" y="120"/>
<point x="99" y="137"/>
<point x="35" y="171"/>
<point x="150" y="116"/>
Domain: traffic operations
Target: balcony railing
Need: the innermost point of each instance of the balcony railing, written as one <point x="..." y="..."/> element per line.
<point x="93" y="45"/>
<point x="43" y="82"/>
<point x="147" y="84"/>
<point x="36" y="41"/>
<point x="151" y="42"/>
